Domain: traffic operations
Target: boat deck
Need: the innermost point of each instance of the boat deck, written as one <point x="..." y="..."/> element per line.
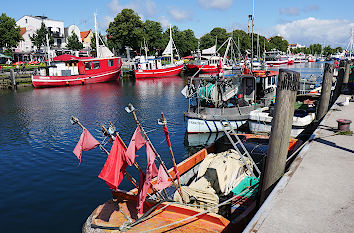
<point x="317" y="194"/>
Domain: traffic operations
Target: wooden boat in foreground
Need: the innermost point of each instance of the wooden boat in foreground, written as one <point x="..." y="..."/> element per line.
<point x="230" y="214"/>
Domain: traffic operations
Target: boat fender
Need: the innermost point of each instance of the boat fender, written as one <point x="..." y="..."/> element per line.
<point x="67" y="83"/>
<point x="82" y="82"/>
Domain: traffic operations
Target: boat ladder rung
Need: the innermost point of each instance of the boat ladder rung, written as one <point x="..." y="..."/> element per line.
<point x="244" y="153"/>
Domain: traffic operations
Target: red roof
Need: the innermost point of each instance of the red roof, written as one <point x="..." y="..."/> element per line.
<point x="65" y="57"/>
<point x="84" y="34"/>
<point x="22" y="31"/>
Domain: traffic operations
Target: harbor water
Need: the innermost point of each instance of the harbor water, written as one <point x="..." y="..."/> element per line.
<point x="43" y="186"/>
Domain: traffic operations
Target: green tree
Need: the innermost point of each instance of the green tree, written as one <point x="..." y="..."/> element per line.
<point x="126" y="30"/>
<point x="209" y="39"/>
<point x="73" y="42"/>
<point x="93" y="41"/>
<point x="187" y="42"/>
<point x="153" y="36"/>
<point x="9" y="32"/>
<point x="39" y="38"/>
<point x="315" y="48"/>
<point x="279" y="43"/>
<point x="339" y="49"/>
<point x="327" y="50"/>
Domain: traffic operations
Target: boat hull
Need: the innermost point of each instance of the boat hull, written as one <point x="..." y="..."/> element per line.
<point x="203" y="69"/>
<point x="276" y="63"/>
<point x="261" y="122"/>
<point x="210" y="126"/>
<point x="172" y="71"/>
<point x="57" y="81"/>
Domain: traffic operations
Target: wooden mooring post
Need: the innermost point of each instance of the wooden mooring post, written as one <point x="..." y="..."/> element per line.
<point x="12" y="79"/>
<point x="339" y="83"/>
<point x="288" y="85"/>
<point x="325" y="91"/>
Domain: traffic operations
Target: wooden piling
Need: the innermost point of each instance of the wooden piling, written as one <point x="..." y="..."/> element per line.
<point x="288" y="85"/>
<point x="339" y="83"/>
<point x="12" y="79"/>
<point x="346" y="72"/>
<point x="325" y="91"/>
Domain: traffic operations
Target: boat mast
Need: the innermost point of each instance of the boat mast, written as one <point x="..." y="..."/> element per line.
<point x="350" y="47"/>
<point x="171" y="44"/>
<point x="145" y="48"/>
<point x="48" y="48"/>
<point x="252" y="19"/>
<point x="96" y="34"/>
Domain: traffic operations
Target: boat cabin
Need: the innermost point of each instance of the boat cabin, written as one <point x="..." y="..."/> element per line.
<point x="72" y="66"/>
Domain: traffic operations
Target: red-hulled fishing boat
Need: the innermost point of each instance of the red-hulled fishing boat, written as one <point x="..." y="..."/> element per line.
<point x="154" y="68"/>
<point x="67" y="70"/>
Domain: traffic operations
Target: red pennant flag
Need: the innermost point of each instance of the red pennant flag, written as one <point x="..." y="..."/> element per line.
<point x="167" y="136"/>
<point x="114" y="168"/>
<point x="135" y="144"/>
<point x="162" y="179"/>
<point x="151" y="171"/>
<point x="86" y="142"/>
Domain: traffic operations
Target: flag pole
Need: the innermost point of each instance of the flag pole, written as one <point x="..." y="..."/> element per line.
<point x="74" y="120"/>
<point x="131" y="109"/>
<point x="136" y="165"/>
<point x="164" y="122"/>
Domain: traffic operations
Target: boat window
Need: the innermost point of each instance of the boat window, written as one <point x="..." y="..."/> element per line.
<point x="110" y="63"/>
<point x="96" y="65"/>
<point x="88" y="65"/>
<point x="269" y="80"/>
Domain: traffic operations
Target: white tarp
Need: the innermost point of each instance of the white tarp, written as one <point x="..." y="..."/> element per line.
<point x="168" y="49"/>
<point x="211" y="50"/>
<point x="218" y="174"/>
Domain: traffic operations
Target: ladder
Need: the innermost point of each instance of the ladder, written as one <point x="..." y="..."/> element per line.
<point x="243" y="152"/>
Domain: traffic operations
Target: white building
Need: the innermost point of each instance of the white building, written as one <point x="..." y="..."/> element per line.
<point x="33" y="23"/>
<point x="69" y="30"/>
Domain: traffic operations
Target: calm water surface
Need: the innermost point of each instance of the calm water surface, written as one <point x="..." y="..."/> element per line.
<point x="42" y="187"/>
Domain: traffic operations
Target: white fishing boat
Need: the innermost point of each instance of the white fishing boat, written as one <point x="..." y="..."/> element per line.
<point x="215" y="103"/>
<point x="260" y="120"/>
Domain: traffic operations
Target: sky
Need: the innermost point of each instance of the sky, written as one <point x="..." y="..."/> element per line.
<point x="327" y="22"/>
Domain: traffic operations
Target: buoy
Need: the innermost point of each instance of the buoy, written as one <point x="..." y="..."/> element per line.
<point x="67" y="82"/>
<point x="82" y="81"/>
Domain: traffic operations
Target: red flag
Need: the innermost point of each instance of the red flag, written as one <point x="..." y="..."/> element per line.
<point x="162" y="179"/>
<point x="219" y="66"/>
<point x="86" y="142"/>
<point x="151" y="171"/>
<point x="167" y="136"/>
<point x="135" y="144"/>
<point x="114" y="168"/>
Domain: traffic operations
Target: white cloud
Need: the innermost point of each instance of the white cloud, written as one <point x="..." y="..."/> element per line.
<point x="307" y="31"/>
<point x="289" y="11"/>
<point x="143" y="8"/>
<point x="164" y="22"/>
<point x="178" y="14"/>
<point x="217" y="4"/>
